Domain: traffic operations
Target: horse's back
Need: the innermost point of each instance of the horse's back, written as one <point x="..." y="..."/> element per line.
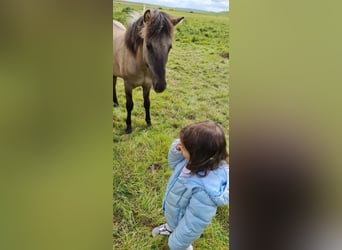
<point x="118" y="34"/>
<point x="118" y="26"/>
<point x="119" y="31"/>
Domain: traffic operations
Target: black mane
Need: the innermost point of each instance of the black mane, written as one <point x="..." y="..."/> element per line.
<point x="133" y="39"/>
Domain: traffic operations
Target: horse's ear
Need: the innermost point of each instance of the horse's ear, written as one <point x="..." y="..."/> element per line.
<point x="177" y="21"/>
<point x="147" y="16"/>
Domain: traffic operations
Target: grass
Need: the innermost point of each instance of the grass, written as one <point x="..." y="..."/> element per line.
<point x="198" y="89"/>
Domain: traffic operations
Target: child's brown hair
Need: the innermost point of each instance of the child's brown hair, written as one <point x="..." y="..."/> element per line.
<point x="206" y="144"/>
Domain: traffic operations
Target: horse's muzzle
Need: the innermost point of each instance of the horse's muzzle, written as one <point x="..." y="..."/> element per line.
<point x="159" y="87"/>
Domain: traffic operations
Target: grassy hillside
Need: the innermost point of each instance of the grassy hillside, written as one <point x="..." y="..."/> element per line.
<point x="198" y="89"/>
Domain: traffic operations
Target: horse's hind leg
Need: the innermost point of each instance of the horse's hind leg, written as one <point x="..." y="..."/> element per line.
<point x="146" y="94"/>
<point x="129" y="108"/>
<point x="115" y="99"/>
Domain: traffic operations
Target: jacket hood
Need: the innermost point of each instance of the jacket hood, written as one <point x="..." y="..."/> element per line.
<point x="216" y="184"/>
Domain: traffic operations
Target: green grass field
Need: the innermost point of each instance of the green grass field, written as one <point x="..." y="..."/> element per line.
<point x="198" y="89"/>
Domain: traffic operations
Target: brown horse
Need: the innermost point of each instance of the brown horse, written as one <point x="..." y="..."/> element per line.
<point x="140" y="54"/>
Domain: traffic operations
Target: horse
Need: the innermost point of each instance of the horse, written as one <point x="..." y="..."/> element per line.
<point x="140" y="54"/>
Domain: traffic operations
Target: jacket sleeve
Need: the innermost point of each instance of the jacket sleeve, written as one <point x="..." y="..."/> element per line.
<point x="174" y="156"/>
<point x="197" y="217"/>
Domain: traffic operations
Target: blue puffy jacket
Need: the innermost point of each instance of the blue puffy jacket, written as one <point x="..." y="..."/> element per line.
<point x="190" y="202"/>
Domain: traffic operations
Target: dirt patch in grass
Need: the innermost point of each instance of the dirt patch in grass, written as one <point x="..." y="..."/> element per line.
<point x="154" y="166"/>
<point x="224" y="55"/>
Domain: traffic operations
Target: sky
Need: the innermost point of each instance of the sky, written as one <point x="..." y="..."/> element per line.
<point x="206" y="5"/>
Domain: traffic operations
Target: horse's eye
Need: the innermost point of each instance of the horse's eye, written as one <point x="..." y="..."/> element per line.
<point x="149" y="47"/>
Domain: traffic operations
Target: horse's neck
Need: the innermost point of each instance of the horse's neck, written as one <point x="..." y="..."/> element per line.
<point x="138" y="60"/>
<point x="134" y="66"/>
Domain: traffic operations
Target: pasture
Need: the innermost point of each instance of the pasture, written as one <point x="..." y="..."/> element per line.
<point x="197" y="75"/>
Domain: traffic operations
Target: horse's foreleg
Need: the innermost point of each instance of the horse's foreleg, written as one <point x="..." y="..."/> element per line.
<point x="115" y="99"/>
<point x="146" y="94"/>
<point x="129" y="108"/>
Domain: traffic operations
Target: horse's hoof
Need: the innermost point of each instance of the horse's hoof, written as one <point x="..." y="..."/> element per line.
<point x="149" y="124"/>
<point x="128" y="130"/>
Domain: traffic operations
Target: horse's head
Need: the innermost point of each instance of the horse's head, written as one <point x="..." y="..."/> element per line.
<point x="158" y="34"/>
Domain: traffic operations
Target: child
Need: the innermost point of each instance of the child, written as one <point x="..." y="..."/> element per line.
<point x="198" y="185"/>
